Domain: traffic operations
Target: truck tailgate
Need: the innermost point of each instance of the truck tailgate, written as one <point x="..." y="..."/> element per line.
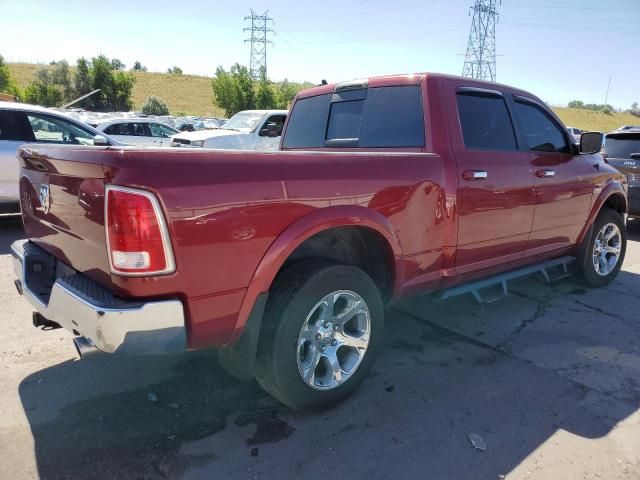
<point x="62" y="195"/>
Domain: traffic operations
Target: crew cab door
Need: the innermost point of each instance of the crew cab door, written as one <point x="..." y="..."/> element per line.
<point x="495" y="193"/>
<point x="563" y="178"/>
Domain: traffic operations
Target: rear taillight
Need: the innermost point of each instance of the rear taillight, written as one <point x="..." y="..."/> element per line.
<point x="137" y="237"/>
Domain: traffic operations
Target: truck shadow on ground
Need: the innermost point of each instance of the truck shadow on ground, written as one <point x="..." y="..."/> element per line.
<point x="131" y="417"/>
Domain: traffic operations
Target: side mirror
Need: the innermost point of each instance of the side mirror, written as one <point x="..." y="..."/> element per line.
<point x="269" y="130"/>
<point x="100" y="141"/>
<point x="591" y="142"/>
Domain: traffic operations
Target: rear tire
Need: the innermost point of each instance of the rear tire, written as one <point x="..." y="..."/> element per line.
<point x="323" y="328"/>
<point x="602" y="252"/>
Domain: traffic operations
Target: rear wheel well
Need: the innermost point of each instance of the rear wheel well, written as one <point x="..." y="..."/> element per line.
<point x="616" y="202"/>
<point x="361" y="247"/>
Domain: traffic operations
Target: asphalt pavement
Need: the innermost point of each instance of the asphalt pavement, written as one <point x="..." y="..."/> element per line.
<point x="544" y="384"/>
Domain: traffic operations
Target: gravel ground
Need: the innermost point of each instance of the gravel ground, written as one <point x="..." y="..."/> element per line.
<point x="546" y="383"/>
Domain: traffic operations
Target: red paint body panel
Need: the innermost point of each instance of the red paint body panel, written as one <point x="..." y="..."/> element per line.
<point x="234" y="217"/>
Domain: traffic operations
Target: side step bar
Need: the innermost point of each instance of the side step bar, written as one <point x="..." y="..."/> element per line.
<point x="558" y="264"/>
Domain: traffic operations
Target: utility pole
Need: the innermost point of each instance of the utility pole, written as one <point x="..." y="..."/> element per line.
<point x="259" y="26"/>
<point x="606" y="97"/>
<point x="480" y="59"/>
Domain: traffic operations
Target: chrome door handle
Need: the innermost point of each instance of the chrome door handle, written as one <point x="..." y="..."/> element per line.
<point x="545" y="173"/>
<point x="474" y="175"/>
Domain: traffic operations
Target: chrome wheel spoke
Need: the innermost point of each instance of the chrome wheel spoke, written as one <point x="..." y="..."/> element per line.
<point x="332" y="358"/>
<point x="615" y="249"/>
<point x="309" y="373"/>
<point x="355" y="342"/>
<point x="355" y="307"/>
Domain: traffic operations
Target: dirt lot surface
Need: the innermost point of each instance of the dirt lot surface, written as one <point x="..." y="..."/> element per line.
<point x="546" y="383"/>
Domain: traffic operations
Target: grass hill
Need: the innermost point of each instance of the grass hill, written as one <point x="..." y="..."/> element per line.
<point x="595" y="121"/>
<point x="188" y="94"/>
<point x="192" y="95"/>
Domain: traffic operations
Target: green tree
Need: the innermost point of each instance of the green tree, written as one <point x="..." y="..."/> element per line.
<point x="122" y="91"/>
<point x="101" y="74"/>
<point x="233" y="90"/>
<point x="61" y="78"/>
<point x="265" y="97"/>
<point x="576" y="104"/>
<point x="138" y="67"/>
<point x="635" y="110"/>
<point x="155" y="106"/>
<point x="117" y="64"/>
<point x="82" y="79"/>
<point x="43" y="91"/>
<point x="285" y="91"/>
<point x="6" y="83"/>
<point x="175" y="70"/>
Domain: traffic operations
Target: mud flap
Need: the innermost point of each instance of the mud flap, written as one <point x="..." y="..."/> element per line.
<point x="238" y="359"/>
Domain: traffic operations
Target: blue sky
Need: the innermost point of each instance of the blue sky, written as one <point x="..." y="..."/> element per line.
<point x="558" y="49"/>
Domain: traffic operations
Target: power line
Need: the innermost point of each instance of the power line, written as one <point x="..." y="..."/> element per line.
<point x="260" y="29"/>
<point x="480" y="58"/>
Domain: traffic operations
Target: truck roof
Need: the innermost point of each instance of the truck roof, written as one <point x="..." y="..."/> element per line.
<point x="398" y="79"/>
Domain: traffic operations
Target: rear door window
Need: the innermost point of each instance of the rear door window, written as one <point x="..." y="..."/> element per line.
<point x="14" y="126"/>
<point x="485" y="122"/>
<point x="540" y="132"/>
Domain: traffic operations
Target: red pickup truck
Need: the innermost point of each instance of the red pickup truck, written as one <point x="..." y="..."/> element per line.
<point x="285" y="260"/>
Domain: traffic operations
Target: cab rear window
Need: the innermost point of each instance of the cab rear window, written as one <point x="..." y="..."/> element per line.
<point x="381" y="117"/>
<point x="622" y="146"/>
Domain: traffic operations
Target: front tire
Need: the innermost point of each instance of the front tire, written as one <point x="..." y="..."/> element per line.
<point x="322" y="330"/>
<point x="601" y="255"/>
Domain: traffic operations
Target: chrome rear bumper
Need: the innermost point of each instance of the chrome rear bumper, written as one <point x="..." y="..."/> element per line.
<point x="82" y="306"/>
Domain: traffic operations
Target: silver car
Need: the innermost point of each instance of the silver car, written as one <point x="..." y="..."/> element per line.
<point x="20" y="124"/>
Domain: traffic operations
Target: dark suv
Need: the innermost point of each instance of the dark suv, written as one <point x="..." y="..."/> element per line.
<point x="622" y="150"/>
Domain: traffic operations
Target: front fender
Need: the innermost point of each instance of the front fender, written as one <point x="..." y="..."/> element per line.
<point x="613" y="188"/>
<point x="304" y="228"/>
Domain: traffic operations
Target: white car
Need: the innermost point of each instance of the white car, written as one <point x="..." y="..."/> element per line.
<point x="21" y="123"/>
<point x="138" y="131"/>
<point x="246" y="130"/>
<point x="576" y="133"/>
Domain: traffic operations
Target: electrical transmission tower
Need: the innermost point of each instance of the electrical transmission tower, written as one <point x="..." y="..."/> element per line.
<point x="480" y="59"/>
<point x="259" y="28"/>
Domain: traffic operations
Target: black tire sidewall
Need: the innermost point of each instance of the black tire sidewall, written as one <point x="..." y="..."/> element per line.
<point x="289" y="310"/>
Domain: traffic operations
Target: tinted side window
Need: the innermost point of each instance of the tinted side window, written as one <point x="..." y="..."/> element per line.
<point x="308" y="123"/>
<point x="485" y="122"/>
<point x="393" y="117"/>
<point x="15" y="126"/>
<point x="540" y="132"/>
<point x="112" y="130"/>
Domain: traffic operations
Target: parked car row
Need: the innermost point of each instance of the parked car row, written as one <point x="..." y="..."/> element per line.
<point x="247" y="130"/>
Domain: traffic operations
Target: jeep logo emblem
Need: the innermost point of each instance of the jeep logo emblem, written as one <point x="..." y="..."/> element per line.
<point x="629" y="163"/>
<point x="45" y="198"/>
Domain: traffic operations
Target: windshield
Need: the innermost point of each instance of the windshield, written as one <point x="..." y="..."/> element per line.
<point x="243" y="121"/>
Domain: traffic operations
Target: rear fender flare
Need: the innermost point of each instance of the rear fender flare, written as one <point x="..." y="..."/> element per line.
<point x="613" y="188"/>
<point x="304" y="228"/>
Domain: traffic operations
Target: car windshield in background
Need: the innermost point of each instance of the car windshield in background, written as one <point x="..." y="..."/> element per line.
<point x="244" y="121"/>
<point x="622" y="146"/>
